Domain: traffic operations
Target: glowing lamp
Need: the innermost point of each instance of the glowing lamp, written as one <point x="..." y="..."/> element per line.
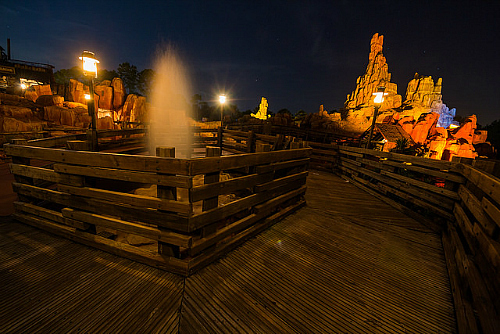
<point x="23" y="86"/>
<point x="379" y="95"/>
<point x="222" y="99"/>
<point x="87" y="96"/>
<point x="454" y="126"/>
<point x="89" y="63"/>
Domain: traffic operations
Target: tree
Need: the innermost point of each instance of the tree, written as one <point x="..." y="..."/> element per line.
<point x="300" y="115"/>
<point x="145" y="81"/>
<point x="130" y="77"/>
<point x="63" y="76"/>
<point x="106" y="75"/>
<point x="195" y="104"/>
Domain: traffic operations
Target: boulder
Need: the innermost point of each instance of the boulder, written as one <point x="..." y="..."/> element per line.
<point x="16" y="112"/>
<point x="423" y="126"/>
<point x="10" y="124"/>
<point x="105" y="93"/>
<point x="42" y="90"/>
<point x="50" y="100"/>
<point x="119" y="93"/>
<point x="30" y="95"/>
<point x="77" y="91"/>
<point x="139" y="110"/>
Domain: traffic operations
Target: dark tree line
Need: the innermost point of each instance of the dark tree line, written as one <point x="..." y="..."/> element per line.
<point x="135" y="82"/>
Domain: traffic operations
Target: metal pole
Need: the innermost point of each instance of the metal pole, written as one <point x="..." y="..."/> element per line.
<point x="221" y="113"/>
<point x="91" y="107"/>
<point x="375" y="112"/>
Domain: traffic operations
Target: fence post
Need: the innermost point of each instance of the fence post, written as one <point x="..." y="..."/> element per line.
<point x="213" y="202"/>
<point x="250" y="142"/>
<point x="166" y="192"/>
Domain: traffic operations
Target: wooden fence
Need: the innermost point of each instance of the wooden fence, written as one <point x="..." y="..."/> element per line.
<point x="175" y="214"/>
<point x="458" y="200"/>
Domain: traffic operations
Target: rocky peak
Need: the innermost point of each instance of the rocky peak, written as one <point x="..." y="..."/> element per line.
<point x="377" y="74"/>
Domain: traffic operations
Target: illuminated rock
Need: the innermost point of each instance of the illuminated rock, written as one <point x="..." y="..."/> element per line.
<point x="119" y="93"/>
<point x="77" y="91"/>
<point x="10" y="124"/>
<point x="423" y="126"/>
<point x="42" y="90"/>
<point x="50" y="100"/>
<point x="139" y="110"/>
<point x="105" y="93"/>
<point x="423" y="96"/>
<point x="124" y="116"/>
<point x="376" y="74"/>
<point x="262" y="113"/>
<point x="16" y="112"/>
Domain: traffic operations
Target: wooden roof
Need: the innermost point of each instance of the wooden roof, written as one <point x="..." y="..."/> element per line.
<point x="393" y="132"/>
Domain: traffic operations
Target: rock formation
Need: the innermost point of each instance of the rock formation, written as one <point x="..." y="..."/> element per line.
<point x="262" y="113"/>
<point x="359" y="104"/>
<point x="423" y="96"/>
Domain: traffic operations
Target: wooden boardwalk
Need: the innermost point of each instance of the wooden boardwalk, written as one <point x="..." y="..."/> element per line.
<point x="345" y="263"/>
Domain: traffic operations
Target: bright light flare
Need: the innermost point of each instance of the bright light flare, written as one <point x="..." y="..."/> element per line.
<point x="23" y="86"/>
<point x="222" y="99"/>
<point x="379" y="95"/>
<point x="87" y="96"/>
<point x="89" y="63"/>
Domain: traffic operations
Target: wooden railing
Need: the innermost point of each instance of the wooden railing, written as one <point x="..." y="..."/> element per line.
<point x="458" y="200"/>
<point x="182" y="213"/>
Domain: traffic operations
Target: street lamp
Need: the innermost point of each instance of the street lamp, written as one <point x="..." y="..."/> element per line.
<point x="89" y="66"/>
<point x="222" y="100"/>
<point x="379" y="98"/>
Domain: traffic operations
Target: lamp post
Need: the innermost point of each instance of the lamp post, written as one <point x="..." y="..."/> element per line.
<point x="89" y="65"/>
<point x="222" y="100"/>
<point x="379" y="98"/>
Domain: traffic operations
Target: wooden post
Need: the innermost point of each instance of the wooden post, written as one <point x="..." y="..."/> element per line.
<point x="213" y="202"/>
<point x="220" y="132"/>
<point x="167" y="193"/>
<point x="262" y="147"/>
<point x="250" y="142"/>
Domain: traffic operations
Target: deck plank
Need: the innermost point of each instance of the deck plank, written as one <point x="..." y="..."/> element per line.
<point x="346" y="262"/>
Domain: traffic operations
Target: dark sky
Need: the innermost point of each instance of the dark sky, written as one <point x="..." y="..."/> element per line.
<point x="298" y="54"/>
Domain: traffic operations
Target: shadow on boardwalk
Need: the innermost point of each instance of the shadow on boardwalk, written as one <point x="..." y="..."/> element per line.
<point x="346" y="262"/>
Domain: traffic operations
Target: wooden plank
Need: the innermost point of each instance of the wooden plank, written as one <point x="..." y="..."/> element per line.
<point x="299" y="177"/>
<point x="210" y="240"/>
<point x="441" y="174"/>
<point x="474" y="205"/>
<point x="171" y="221"/>
<point x="423" y="185"/>
<point x="120" y="132"/>
<point x="376" y="164"/>
<point x="481" y="298"/>
<point x="208" y="165"/>
<point x="491" y="210"/>
<point x="490" y="185"/>
<point x="202" y="260"/>
<point x="417" y="201"/>
<point x="466" y="226"/>
<point x="51" y="215"/>
<point x="269" y="206"/>
<point x="281" y="165"/>
<point x="99" y="159"/>
<point x="34" y="172"/>
<point x="107" y="245"/>
<point x="184" y="208"/>
<point x="229" y="186"/>
<point x="179" y="181"/>
<point x="464" y="311"/>
<point x="342" y="150"/>
<point x="55" y="141"/>
<point x="222" y="212"/>
<point x="433" y="226"/>
<point x="431" y="163"/>
<point x="489" y="247"/>
<point x="129" y="227"/>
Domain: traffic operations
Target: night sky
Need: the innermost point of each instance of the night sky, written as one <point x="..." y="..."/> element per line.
<point x="297" y="54"/>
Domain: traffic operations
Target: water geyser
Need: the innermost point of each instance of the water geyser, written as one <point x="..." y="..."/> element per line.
<point x="170" y="112"/>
